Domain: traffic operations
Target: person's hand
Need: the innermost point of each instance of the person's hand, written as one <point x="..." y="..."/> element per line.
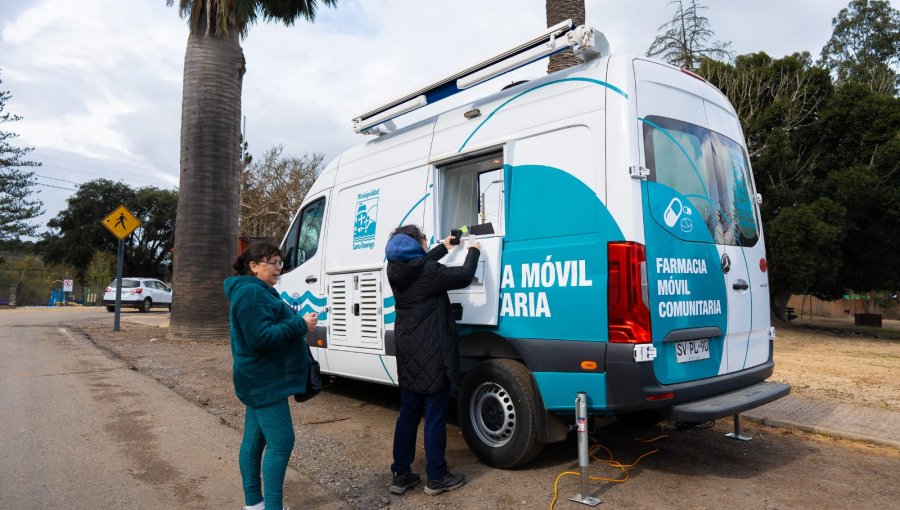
<point x="476" y="245"/>
<point x="446" y="242"/>
<point x="311" y="319"/>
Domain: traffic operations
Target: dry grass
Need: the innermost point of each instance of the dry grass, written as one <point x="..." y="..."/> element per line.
<point x="850" y="369"/>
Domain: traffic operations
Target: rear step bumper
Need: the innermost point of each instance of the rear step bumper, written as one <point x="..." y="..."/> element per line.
<point x="729" y="404"/>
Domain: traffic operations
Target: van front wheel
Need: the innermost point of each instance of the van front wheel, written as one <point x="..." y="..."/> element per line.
<point x="498" y="415"/>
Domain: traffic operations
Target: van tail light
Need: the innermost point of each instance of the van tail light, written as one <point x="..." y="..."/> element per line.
<point x="627" y="294"/>
<point x="137" y="290"/>
<point x="108" y="290"/>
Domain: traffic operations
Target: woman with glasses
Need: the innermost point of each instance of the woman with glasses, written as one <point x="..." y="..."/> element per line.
<point x="271" y="363"/>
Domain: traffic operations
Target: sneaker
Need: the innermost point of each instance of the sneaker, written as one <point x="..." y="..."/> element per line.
<point x="402" y="483"/>
<point x="446" y="483"/>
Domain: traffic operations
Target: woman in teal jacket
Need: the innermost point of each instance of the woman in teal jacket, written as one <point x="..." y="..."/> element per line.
<point x="271" y="362"/>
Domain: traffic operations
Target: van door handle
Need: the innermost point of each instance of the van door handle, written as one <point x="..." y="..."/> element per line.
<point x="311" y="279"/>
<point x="740" y="285"/>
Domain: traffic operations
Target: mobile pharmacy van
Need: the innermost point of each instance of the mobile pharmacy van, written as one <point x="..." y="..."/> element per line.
<point x="622" y="249"/>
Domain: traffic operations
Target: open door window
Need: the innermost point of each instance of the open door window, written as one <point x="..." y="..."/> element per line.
<point x="302" y="241"/>
<point x="472" y="200"/>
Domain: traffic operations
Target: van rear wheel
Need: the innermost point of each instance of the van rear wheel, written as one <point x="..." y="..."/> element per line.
<point x="146" y="305"/>
<point x="498" y="414"/>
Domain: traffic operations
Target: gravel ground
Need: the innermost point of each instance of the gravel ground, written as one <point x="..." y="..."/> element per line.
<point x="344" y="437"/>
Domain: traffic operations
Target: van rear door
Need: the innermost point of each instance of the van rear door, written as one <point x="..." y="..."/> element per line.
<point x="701" y="230"/>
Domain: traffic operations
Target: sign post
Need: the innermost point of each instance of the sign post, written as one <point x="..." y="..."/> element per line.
<point x="68" y="286"/>
<point x="121" y="223"/>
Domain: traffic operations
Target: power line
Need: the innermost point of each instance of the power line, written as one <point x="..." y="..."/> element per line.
<point x="100" y="175"/>
<point x="139" y="167"/>
<point x="52" y="186"/>
<point x="55" y="179"/>
<point x="97" y="168"/>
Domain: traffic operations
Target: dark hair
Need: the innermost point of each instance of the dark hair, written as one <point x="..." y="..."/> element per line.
<point x="410" y="230"/>
<point x="256" y="252"/>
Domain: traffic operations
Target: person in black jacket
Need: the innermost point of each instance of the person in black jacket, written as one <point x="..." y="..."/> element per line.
<point x="427" y="352"/>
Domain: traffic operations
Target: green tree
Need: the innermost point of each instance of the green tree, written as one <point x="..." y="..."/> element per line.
<point x="778" y="102"/>
<point x="101" y="270"/>
<point x="827" y="161"/>
<point x="152" y="242"/>
<point x="557" y="12"/>
<point x="865" y="45"/>
<point x="687" y="38"/>
<point x="857" y="136"/>
<point x="805" y="238"/>
<point x="272" y="191"/>
<point x="210" y="171"/>
<point x="17" y="208"/>
<point x="76" y="233"/>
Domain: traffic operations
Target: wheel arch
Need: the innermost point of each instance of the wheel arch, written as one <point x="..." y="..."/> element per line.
<point x="483" y="345"/>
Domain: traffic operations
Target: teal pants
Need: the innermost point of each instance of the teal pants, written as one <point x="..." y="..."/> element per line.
<point x="267" y="428"/>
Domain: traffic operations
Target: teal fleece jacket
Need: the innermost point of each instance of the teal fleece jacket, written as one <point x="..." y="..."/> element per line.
<point x="268" y="343"/>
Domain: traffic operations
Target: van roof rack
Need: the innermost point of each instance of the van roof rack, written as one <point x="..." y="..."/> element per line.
<point x="586" y="43"/>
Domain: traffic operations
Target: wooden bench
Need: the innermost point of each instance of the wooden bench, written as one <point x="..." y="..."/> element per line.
<point x="789" y="313"/>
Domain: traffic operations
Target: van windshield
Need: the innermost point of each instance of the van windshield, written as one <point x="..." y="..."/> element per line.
<point x="708" y="169"/>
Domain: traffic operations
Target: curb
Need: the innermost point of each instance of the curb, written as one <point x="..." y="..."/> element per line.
<point x="825" y="431"/>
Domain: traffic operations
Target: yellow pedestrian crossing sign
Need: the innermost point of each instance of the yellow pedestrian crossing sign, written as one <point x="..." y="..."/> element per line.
<point x="121" y="222"/>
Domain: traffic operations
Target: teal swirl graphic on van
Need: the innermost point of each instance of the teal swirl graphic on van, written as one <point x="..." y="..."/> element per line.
<point x="388" y="304"/>
<point x="306" y="302"/>
<point x="575" y="79"/>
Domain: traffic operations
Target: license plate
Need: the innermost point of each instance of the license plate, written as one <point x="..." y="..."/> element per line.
<point x="692" y="350"/>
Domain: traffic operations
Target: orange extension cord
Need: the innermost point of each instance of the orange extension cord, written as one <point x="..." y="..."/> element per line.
<point x="611" y="462"/>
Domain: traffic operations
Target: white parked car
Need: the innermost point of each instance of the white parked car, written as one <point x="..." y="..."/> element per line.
<point x="140" y="293"/>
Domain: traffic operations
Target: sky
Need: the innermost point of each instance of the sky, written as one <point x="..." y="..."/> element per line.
<point x="98" y="82"/>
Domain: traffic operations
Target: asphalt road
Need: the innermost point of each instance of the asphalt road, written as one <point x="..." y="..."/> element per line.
<point x="82" y="430"/>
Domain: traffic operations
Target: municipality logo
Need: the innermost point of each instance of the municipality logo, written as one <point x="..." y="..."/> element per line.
<point x="366" y="219"/>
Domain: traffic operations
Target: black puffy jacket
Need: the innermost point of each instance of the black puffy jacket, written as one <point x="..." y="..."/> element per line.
<point x="425" y="331"/>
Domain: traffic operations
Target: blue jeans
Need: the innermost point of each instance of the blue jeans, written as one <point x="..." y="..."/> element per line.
<point x="270" y="428"/>
<point x="435" y="406"/>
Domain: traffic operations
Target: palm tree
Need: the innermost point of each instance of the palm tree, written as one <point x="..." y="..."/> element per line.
<point x="207" y="215"/>
<point x="557" y="11"/>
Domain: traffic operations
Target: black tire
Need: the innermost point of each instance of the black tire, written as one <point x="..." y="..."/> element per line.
<point x="498" y="414"/>
<point x="111" y="308"/>
<point x="146" y="305"/>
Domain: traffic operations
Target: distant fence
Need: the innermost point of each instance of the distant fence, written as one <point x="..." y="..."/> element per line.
<point x="42" y="294"/>
<point x="804" y="306"/>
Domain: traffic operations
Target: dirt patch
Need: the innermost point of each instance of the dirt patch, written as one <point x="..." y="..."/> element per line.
<point x="828" y="366"/>
<point x="344" y="437"/>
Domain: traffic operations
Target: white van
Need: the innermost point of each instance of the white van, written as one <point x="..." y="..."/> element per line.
<point x="622" y="248"/>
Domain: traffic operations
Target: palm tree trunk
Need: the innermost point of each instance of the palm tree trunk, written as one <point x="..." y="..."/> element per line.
<point x="207" y="216"/>
<point x="557" y="11"/>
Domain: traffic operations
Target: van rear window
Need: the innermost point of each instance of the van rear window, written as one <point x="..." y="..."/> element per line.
<point x="126" y="284"/>
<point x="710" y="170"/>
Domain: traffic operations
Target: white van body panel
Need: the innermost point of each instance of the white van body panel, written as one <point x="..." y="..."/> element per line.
<point x="561" y="153"/>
